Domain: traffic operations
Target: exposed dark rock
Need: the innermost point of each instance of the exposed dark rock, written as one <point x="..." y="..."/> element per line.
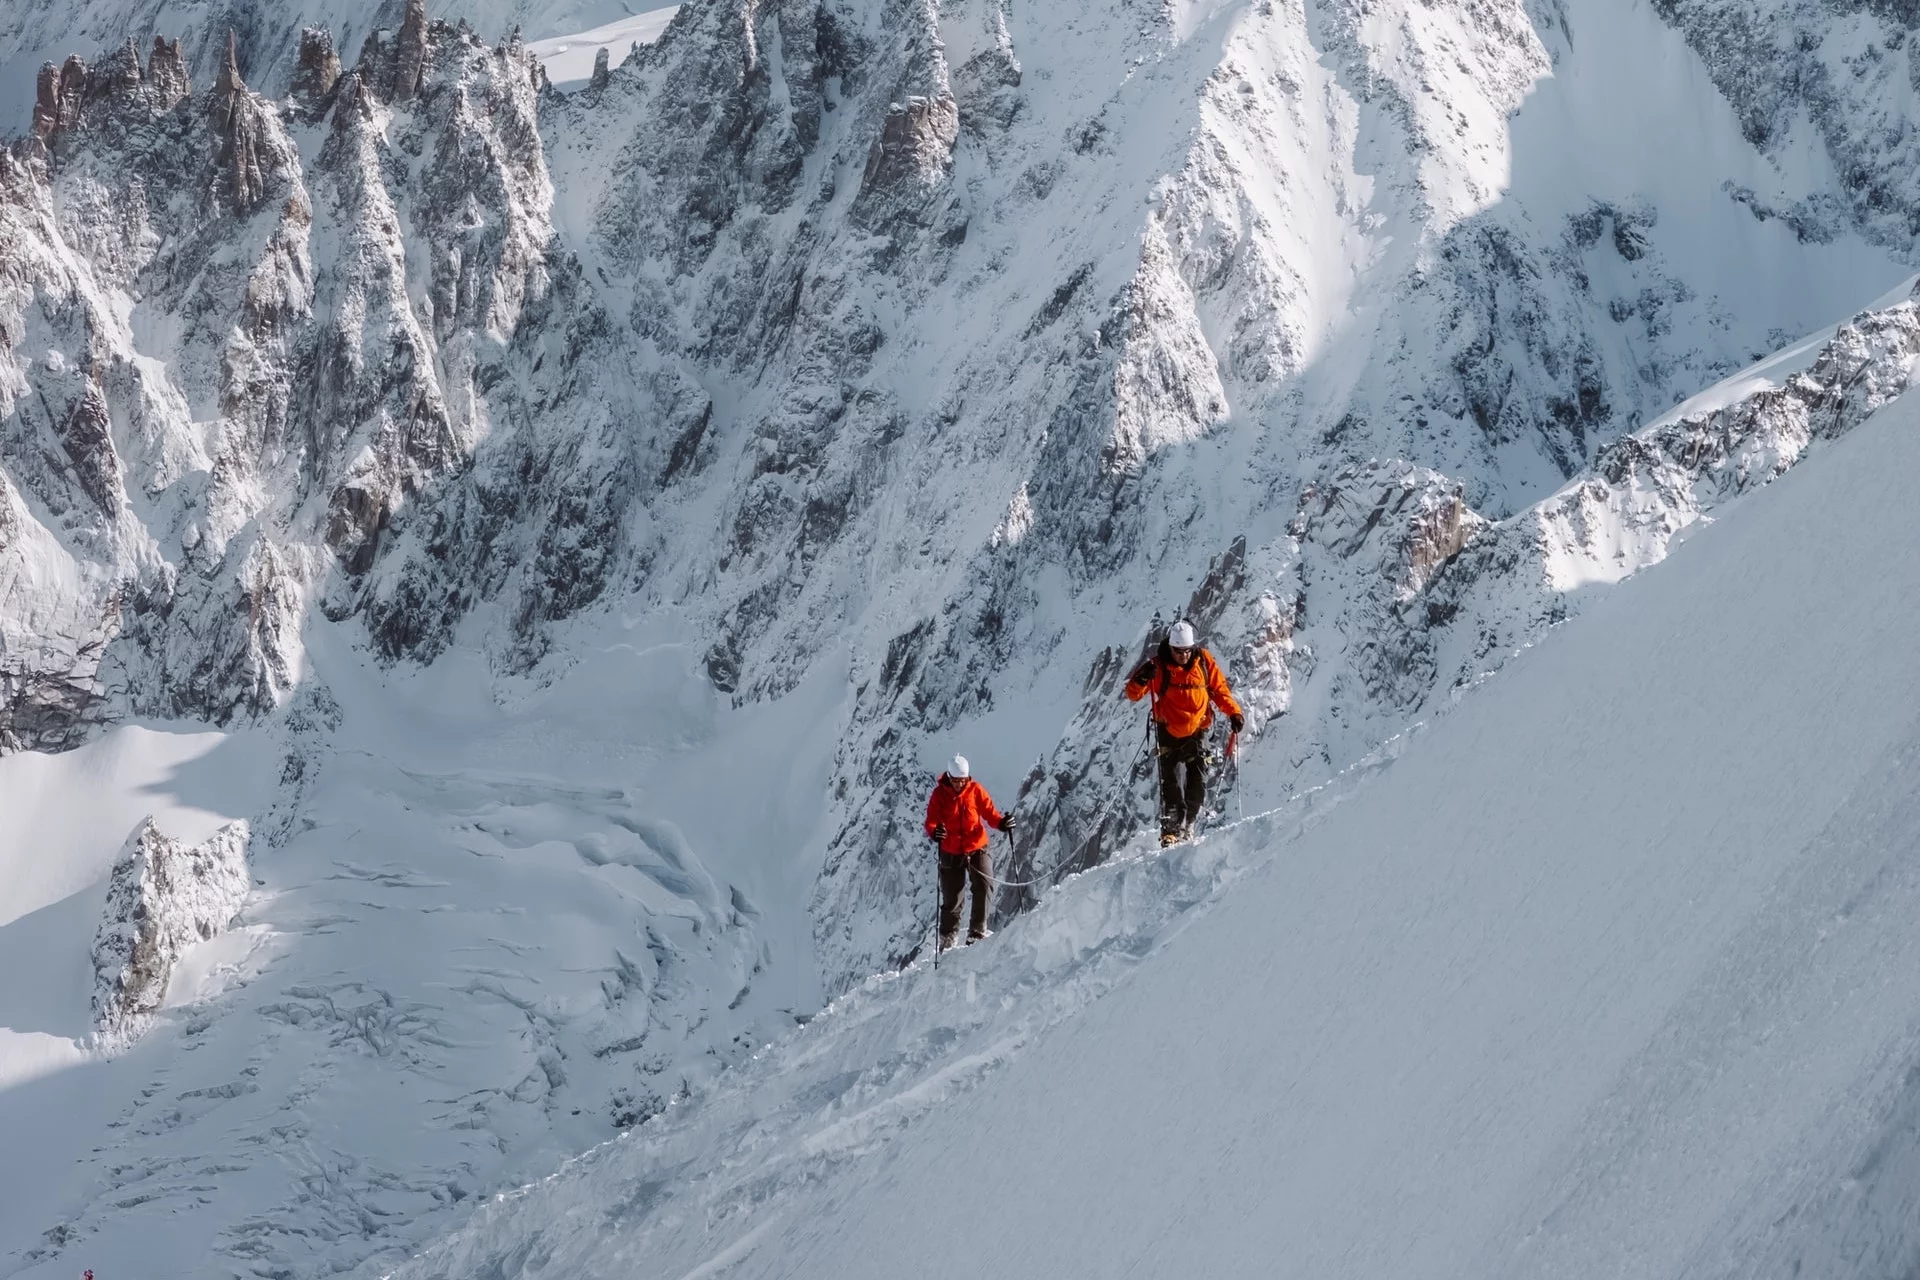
<point x="318" y="70"/>
<point x="241" y="121"/>
<point x="915" y="147"/>
<point x="60" y="99"/>
<point x="87" y="436"/>
<point x="167" y="73"/>
<point x="46" y="103"/>
<point x="409" y="54"/>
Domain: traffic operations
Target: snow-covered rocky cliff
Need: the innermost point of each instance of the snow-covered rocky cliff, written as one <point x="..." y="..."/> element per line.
<point x="268" y="35"/>
<point x="162" y="897"/>
<point x="830" y="386"/>
<point x="873" y="332"/>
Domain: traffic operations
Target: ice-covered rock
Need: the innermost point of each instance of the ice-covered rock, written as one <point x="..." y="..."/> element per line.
<point x="164" y="897"/>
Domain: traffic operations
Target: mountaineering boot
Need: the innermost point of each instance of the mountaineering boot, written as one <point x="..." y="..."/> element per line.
<point x="1169" y="838"/>
<point x="948" y="941"/>
<point x="982" y="936"/>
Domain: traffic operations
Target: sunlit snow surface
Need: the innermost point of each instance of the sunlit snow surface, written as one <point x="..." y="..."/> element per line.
<point x="569" y="59"/>
<point x="1609" y="971"/>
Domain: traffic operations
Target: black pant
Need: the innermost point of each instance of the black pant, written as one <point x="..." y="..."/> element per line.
<point x="1180" y="805"/>
<point x="956" y="870"/>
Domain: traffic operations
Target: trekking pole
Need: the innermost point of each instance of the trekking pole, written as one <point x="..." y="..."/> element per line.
<point x="1233" y="757"/>
<point x="936" y="913"/>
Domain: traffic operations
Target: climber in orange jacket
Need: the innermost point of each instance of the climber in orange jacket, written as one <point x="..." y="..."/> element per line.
<point x="1186" y="684"/>
<point x="958" y="815"/>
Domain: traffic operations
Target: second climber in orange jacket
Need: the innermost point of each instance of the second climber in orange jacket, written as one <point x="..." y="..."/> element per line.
<point x="1186" y="684"/>
<point x="958" y="814"/>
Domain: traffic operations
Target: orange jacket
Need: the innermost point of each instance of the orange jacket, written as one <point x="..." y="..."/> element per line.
<point x="1183" y="697"/>
<point x="965" y="812"/>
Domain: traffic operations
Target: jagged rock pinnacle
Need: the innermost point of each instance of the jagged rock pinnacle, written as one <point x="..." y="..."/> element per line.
<point x="230" y="81"/>
<point x="46" y="104"/>
<point x="318" y="70"/>
<point x="167" y="72"/>
<point x="59" y="98"/>
<point x="409" y="53"/>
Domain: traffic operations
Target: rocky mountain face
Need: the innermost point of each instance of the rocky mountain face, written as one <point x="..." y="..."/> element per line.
<point x="932" y="349"/>
<point x="1836" y="77"/>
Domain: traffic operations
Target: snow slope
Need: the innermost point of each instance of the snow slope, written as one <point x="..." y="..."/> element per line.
<point x="1609" y="971"/>
<point x="66" y="818"/>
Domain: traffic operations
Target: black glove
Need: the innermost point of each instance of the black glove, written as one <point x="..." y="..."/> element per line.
<point x="940" y="832"/>
<point x="1006" y="824"/>
<point x="1238" y="722"/>
<point x="1143" y="675"/>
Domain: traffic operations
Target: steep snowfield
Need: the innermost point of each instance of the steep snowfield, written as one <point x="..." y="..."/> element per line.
<point x="1609" y="971"/>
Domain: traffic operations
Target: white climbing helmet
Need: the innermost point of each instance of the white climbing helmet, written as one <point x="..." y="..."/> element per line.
<point x="959" y="768"/>
<point x="1182" y="636"/>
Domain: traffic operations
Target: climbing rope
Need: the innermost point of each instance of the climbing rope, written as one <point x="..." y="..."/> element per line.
<point x="1120" y="794"/>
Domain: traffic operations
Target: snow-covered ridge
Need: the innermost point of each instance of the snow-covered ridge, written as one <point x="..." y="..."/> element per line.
<point x="1418" y="596"/>
<point x="827" y="305"/>
<point x="870" y="1068"/>
<point x="1594" y="975"/>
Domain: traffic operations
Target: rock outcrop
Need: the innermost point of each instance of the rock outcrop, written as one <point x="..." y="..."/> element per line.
<point x="318" y="70"/>
<point x="164" y="897"/>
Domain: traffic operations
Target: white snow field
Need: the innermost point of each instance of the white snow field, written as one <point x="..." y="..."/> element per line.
<point x="569" y="59"/>
<point x="1610" y="971"/>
